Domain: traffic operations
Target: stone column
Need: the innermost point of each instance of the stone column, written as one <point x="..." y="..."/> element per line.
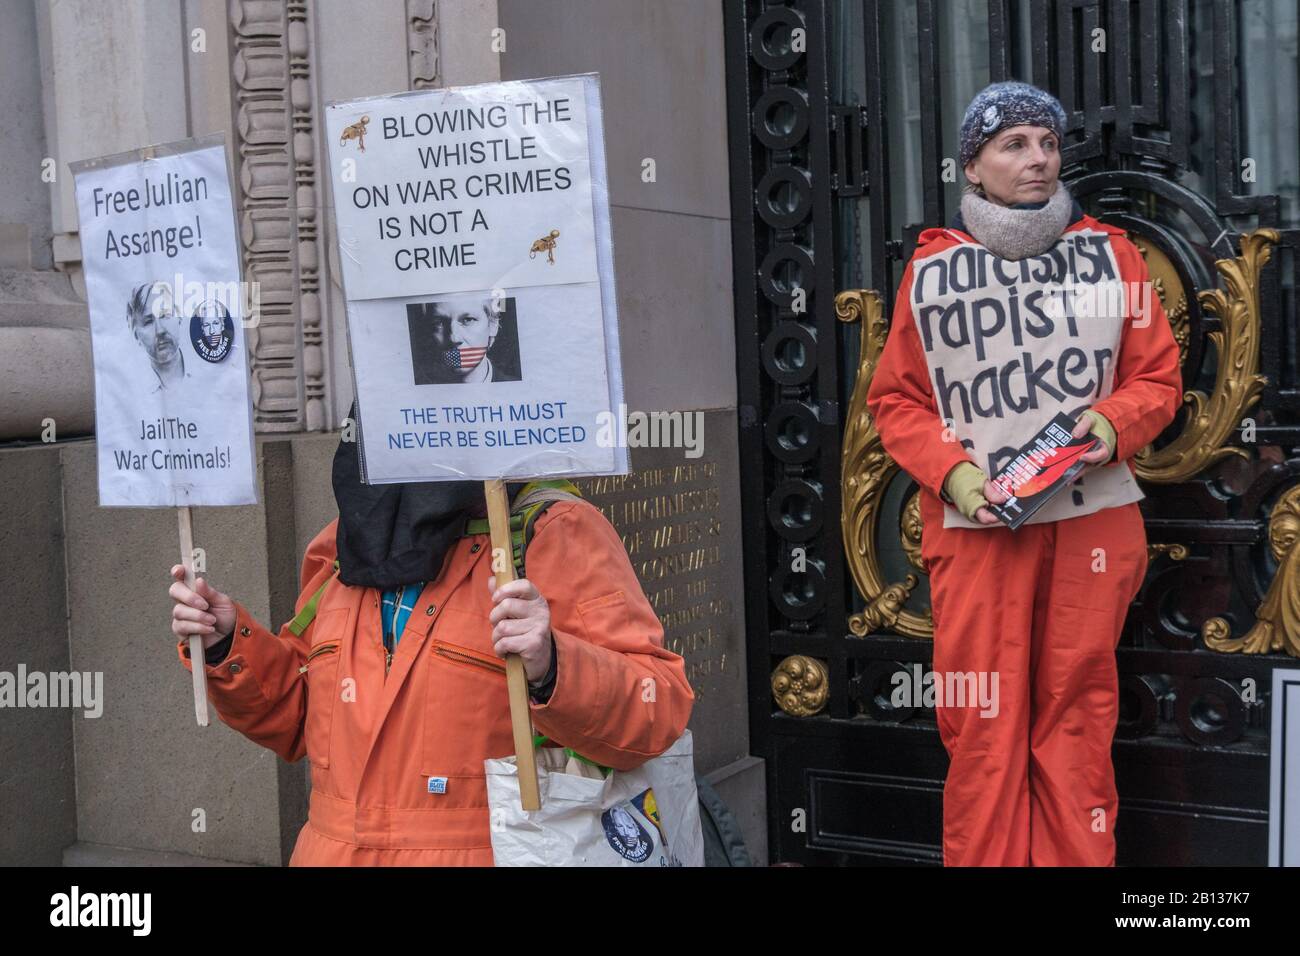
<point x="45" y="378"/>
<point x="113" y="78"/>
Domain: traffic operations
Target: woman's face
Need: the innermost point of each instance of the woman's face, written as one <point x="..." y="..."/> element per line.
<point x="1019" y="164"/>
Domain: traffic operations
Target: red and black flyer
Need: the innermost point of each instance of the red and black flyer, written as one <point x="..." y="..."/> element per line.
<point x="1046" y="464"/>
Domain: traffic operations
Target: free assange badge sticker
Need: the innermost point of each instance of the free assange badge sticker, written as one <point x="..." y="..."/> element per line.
<point x="212" y="331"/>
<point x="625" y="834"/>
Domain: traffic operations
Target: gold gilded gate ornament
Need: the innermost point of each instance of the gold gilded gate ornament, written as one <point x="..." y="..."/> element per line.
<point x="1202" y="443"/>
<point x="801" y="685"/>
<point x="1277" y="620"/>
<point x="1168" y="285"/>
<point x="866" y="470"/>
<point x="1237" y="383"/>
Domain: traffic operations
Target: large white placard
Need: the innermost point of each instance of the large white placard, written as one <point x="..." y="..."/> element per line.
<point x="451" y="190"/>
<point x="1284" y="769"/>
<point x="173" y="420"/>
<point x="473" y="227"/>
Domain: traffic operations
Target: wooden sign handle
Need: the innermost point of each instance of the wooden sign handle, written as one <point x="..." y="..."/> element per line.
<point x="197" y="658"/>
<point x="498" y="509"/>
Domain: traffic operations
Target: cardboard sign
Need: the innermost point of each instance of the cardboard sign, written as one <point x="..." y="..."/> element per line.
<point x="473" y="227"/>
<point x="1010" y="343"/>
<point x="173" y="420"/>
<point x="1046" y="464"/>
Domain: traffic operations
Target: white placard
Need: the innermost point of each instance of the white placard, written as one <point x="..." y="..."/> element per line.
<point x="463" y="189"/>
<point x="1284" y="770"/>
<point x="173" y="421"/>
<point x="503" y="363"/>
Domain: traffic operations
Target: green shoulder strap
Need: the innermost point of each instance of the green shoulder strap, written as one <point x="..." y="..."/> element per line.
<point x="308" y="612"/>
<point x="524" y="514"/>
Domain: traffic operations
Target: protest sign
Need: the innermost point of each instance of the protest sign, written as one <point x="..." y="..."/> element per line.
<point x="1010" y="344"/>
<point x="473" y="232"/>
<point x="473" y="227"/>
<point x="173" y="421"/>
<point x="1284" y="770"/>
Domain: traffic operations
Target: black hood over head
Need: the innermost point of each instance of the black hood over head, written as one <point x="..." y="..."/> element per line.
<point x="396" y="534"/>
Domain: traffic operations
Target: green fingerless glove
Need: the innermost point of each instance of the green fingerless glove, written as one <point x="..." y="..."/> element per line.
<point x="965" y="486"/>
<point x="1104" y="430"/>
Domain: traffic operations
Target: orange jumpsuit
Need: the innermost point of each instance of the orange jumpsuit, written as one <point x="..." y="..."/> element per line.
<point x="1030" y="782"/>
<point x="374" y="740"/>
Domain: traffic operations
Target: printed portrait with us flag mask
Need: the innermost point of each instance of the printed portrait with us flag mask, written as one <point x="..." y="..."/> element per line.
<point x="463" y="339"/>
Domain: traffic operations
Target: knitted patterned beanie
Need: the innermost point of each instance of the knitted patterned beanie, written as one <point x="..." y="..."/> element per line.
<point x="1000" y="105"/>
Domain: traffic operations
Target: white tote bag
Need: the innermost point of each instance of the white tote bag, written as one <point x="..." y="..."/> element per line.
<point x="649" y="816"/>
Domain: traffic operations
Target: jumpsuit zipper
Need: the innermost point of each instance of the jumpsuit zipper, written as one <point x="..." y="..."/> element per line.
<point x="316" y="652"/>
<point x="466" y="656"/>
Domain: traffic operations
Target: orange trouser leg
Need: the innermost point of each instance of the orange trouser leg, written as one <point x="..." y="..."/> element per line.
<point x="1097" y="567"/>
<point x="982" y="598"/>
<point x="1025" y="612"/>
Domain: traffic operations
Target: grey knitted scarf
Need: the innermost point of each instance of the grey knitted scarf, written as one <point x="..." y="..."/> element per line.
<point x="1017" y="232"/>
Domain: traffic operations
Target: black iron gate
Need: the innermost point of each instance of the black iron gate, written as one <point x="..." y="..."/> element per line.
<point x="843" y="114"/>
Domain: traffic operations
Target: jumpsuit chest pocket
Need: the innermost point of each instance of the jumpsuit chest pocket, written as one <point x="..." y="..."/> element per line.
<point x="320" y="671"/>
<point x="466" y="710"/>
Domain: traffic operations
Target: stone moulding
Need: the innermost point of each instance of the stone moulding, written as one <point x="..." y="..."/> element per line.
<point x="276" y="164"/>
<point x="422" y="43"/>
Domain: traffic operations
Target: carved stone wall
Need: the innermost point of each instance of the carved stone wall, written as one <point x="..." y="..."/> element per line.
<point x="422" y="43"/>
<point x="276" y="182"/>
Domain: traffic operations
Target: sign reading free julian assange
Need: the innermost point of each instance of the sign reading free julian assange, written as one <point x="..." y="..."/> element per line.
<point x="173" y="420"/>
